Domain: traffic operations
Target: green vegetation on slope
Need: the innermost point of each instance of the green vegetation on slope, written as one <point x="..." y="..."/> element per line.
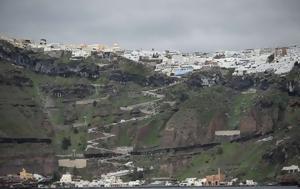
<point x="77" y="138"/>
<point x="207" y="103"/>
<point x="135" y="69"/>
<point x="20" y="113"/>
<point x="240" y="105"/>
<point x="243" y="160"/>
<point x="150" y="132"/>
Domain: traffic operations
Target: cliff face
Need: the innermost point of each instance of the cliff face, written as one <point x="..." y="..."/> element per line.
<point x="245" y="103"/>
<point x="214" y="100"/>
<point x="259" y="120"/>
<point x="60" y="65"/>
<point x="43" y="95"/>
<point x="183" y="132"/>
<point x="188" y="130"/>
<point x="43" y="63"/>
<point x="22" y="116"/>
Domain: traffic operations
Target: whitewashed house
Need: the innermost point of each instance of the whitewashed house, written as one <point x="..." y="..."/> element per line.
<point x="66" y="178"/>
<point x="291" y="169"/>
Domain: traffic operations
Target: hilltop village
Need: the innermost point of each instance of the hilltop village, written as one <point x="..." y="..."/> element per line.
<point x="279" y="60"/>
<point x="104" y="116"/>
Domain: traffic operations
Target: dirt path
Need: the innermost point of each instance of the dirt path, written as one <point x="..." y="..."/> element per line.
<point x="147" y="108"/>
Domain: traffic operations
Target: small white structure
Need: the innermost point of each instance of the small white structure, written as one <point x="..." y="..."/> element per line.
<point x="117" y="173"/>
<point x="266" y="139"/>
<point x="54" y="47"/>
<point x="251" y="183"/>
<point x="80" y="53"/>
<point x="81" y="183"/>
<point x="248" y="183"/>
<point x="134" y="183"/>
<point x="200" y="182"/>
<point x="66" y="178"/>
<point x="116" y="47"/>
<point x="168" y="183"/>
<point x="38" y="177"/>
<point x="291" y="169"/>
<point x="183" y="184"/>
<point x="113" y="181"/>
<point x="189" y="182"/>
<point x="228" y="133"/>
<point x="129" y="164"/>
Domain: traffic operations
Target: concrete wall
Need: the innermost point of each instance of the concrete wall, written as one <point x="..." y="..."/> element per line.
<point x="78" y="163"/>
<point x="228" y="133"/>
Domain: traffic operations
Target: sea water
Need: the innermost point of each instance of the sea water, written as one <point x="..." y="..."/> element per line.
<point x="209" y="187"/>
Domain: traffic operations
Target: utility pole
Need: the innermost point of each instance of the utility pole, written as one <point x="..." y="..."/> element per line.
<point x="74" y="153"/>
<point x="96" y="90"/>
<point x="85" y="121"/>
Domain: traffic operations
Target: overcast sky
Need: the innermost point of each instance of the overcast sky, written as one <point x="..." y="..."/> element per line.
<point x="187" y="25"/>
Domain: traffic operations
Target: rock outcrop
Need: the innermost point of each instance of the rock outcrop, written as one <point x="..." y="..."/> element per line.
<point x="68" y="92"/>
<point x="42" y="63"/>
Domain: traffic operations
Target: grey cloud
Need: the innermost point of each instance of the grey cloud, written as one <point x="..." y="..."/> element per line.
<point x="187" y="25"/>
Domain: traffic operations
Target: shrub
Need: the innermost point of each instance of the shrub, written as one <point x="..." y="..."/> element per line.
<point x="219" y="150"/>
<point x="66" y="142"/>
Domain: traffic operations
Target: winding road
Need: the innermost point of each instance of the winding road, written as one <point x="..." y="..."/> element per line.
<point x="143" y="107"/>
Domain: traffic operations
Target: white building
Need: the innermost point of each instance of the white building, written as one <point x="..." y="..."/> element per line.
<point x="132" y="55"/>
<point x="66" y="178"/>
<point x="200" y="182"/>
<point x="189" y="182"/>
<point x="81" y="183"/>
<point x="54" y="47"/>
<point x="291" y="169"/>
<point x="79" y="53"/>
<point x="250" y="183"/>
<point x="135" y="183"/>
<point x="144" y="55"/>
<point x="38" y="177"/>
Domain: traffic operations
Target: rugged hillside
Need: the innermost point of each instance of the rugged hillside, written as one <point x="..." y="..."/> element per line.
<point x="99" y="104"/>
<point x="263" y="107"/>
<point x="22" y="116"/>
<point x="49" y="97"/>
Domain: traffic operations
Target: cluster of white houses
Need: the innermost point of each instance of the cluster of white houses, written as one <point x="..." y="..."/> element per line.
<point x="277" y="60"/>
<point x="108" y="180"/>
<point x="79" y="51"/>
<point x="174" y="63"/>
<point x="113" y="179"/>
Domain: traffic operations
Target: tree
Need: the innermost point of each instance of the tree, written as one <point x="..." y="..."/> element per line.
<point x="66" y="142"/>
<point x="94" y="103"/>
<point x="183" y="97"/>
<point x="55" y="176"/>
<point x="75" y="131"/>
<point x="137" y="175"/>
